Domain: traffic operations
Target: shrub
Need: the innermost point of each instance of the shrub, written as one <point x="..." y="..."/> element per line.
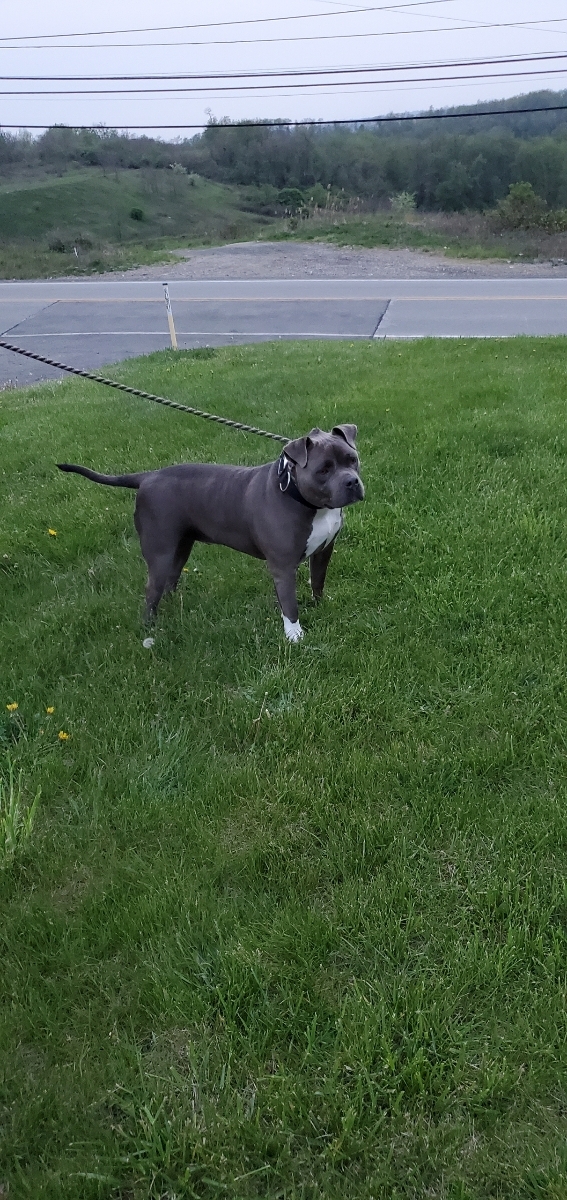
<point x="318" y="195"/>
<point x="521" y="208"/>
<point x="555" y="221"/>
<point x="292" y="199"/>
<point x="403" y="204"/>
<point x="137" y="214"/>
<point x="57" y="245"/>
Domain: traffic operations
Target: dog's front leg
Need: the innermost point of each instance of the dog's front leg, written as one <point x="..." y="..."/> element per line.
<point x="286" y="591"/>
<point x="318" y="564"/>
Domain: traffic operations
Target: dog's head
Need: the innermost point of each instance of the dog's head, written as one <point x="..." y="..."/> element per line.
<point x="327" y="467"/>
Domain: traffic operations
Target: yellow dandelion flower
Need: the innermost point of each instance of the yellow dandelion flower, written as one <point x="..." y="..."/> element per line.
<point x="50" y="710"/>
<point x="52" y="532"/>
<point x="12" y="707"/>
<point x="63" y="737"/>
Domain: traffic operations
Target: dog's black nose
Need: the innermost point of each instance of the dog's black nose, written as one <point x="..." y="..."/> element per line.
<point x="354" y="487"/>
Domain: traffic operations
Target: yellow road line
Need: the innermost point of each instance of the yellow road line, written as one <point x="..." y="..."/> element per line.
<point x="204" y="300"/>
<point x="280" y="299"/>
<point x="178" y="300"/>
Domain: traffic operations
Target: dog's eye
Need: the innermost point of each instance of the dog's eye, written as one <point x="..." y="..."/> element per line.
<point x="327" y="466"/>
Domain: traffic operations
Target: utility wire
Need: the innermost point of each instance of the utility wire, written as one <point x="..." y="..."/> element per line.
<point x="27" y="37"/>
<point x="442" y="116"/>
<point x="250" y="87"/>
<point x="324" y="37"/>
<point x="384" y="88"/>
<point x="443" y="64"/>
<point x="537" y="25"/>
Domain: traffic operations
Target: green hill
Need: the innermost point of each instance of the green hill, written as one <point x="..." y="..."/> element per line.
<point x="91" y="219"/>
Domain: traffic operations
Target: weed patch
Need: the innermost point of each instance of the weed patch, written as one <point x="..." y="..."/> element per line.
<point x="458" y="235"/>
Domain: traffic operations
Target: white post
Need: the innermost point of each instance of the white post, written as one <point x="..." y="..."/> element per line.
<point x="172" y="332"/>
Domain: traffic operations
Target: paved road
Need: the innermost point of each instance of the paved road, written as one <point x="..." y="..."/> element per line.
<point x="89" y="323"/>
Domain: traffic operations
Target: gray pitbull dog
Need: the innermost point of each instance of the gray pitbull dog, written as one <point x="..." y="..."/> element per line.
<point x="284" y="512"/>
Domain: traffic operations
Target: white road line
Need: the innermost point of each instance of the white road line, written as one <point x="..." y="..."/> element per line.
<point x="445" y="337"/>
<point x="140" y="281"/>
<point x="192" y="333"/>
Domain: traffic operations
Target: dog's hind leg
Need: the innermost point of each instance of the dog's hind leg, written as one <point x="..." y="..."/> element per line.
<point x="181" y="555"/>
<point x="160" y="572"/>
<point x="164" y="569"/>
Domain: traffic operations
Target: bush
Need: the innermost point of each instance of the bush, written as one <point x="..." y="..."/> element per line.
<point x="293" y="200"/>
<point x="521" y="208"/>
<point x="403" y="204"/>
<point x="57" y="245"/>
<point x="555" y="221"/>
<point x="137" y="214"/>
<point x="318" y="195"/>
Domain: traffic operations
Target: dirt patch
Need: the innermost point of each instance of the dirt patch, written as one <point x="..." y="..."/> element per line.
<point x="309" y="260"/>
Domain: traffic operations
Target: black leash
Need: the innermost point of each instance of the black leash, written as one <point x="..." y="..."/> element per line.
<point x="122" y="387"/>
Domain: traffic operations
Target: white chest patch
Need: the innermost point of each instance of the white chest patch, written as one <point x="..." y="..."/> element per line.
<point x="326" y="524"/>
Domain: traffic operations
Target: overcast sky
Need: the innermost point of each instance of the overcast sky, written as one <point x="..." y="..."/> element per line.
<point x="440" y="31"/>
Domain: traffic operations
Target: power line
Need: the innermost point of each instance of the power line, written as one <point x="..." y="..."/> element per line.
<point x="250" y="87"/>
<point x="27" y="37"/>
<point x="536" y="25"/>
<point x="324" y="37"/>
<point x="494" y="60"/>
<point x="387" y="87"/>
<point x="489" y="112"/>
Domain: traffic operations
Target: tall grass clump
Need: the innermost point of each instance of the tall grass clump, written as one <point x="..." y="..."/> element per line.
<point x="17" y="815"/>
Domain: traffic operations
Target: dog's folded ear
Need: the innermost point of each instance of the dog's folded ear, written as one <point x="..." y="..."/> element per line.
<point x="348" y="432"/>
<point x="298" y="450"/>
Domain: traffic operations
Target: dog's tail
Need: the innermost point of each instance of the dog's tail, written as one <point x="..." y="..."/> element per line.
<point x="127" y="481"/>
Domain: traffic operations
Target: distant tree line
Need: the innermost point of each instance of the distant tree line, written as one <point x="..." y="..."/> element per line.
<point x="466" y="163"/>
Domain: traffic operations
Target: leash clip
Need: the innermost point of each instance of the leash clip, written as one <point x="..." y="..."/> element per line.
<point x="284" y="472"/>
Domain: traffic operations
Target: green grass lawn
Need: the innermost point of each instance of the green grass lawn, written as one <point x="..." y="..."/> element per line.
<point x="292" y="921"/>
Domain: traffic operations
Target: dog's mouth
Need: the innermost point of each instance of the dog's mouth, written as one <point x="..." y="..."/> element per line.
<point x="338" y="493"/>
<point x="351" y="493"/>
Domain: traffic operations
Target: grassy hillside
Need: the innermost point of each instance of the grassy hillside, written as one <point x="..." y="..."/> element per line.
<point x="291" y="922"/>
<point x="117" y="219"/>
<point x="112" y="219"/>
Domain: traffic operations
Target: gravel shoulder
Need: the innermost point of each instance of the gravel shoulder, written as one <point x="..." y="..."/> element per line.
<point x="306" y="260"/>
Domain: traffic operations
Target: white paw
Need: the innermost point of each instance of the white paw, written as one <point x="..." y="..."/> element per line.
<point x="148" y="643"/>
<point x="293" y="630"/>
